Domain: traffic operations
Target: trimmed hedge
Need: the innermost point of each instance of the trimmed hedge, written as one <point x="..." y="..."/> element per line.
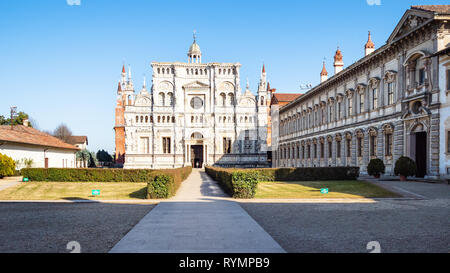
<point x="161" y="183"/>
<point x="166" y="182"/>
<point x="237" y="183"/>
<point x="240" y="183"/>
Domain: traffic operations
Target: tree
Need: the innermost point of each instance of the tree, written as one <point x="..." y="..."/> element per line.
<point x="104" y="156"/>
<point x="83" y="156"/>
<point x="17" y="120"/>
<point x="7" y="166"/>
<point x="92" y="160"/>
<point x="62" y="132"/>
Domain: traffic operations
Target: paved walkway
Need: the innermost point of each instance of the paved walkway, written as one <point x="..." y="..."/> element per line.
<point x="8" y="182"/>
<point x="200" y="219"/>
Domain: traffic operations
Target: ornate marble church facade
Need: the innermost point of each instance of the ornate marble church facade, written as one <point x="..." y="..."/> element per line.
<point x="388" y="104"/>
<point x="194" y="114"/>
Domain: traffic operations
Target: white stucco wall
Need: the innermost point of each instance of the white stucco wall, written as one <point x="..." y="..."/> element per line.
<point x="38" y="154"/>
<point x="444" y="157"/>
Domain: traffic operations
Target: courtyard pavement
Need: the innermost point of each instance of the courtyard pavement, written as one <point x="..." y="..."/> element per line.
<point x="49" y="227"/>
<point x="200" y="219"/>
<point x="417" y="224"/>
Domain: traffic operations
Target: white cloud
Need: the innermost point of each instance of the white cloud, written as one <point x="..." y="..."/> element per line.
<point x="78" y="2"/>
<point x="373" y="2"/>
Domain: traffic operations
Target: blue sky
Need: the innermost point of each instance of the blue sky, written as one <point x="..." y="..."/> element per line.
<point x="61" y="63"/>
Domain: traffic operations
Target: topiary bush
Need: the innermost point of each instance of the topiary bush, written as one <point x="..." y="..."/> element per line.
<point x="376" y="167"/>
<point x="7" y="166"/>
<point x="405" y="166"/>
<point x="244" y="184"/>
<point x="160" y="187"/>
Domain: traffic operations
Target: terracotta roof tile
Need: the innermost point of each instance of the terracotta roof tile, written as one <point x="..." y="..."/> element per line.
<point x="324" y="70"/>
<point x="286" y="97"/>
<point x="28" y="135"/>
<point x="77" y="140"/>
<point x="369" y="43"/>
<point x="440" y="9"/>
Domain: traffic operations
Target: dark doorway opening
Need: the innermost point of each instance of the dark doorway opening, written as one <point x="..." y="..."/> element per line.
<point x="197" y="156"/>
<point x="421" y="154"/>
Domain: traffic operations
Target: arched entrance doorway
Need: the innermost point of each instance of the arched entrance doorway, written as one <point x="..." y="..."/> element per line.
<point x="418" y="149"/>
<point x="197" y="150"/>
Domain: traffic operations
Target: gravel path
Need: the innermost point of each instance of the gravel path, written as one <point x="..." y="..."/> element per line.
<point x="48" y="227"/>
<point x="398" y="225"/>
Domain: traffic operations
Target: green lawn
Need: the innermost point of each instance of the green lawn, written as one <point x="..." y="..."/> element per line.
<point x="311" y="189"/>
<point x="74" y="190"/>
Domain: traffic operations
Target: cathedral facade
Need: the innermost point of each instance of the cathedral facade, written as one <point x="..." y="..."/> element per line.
<point x="391" y="103"/>
<point x="194" y="114"/>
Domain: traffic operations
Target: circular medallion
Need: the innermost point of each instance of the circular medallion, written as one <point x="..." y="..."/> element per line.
<point x="196" y="103"/>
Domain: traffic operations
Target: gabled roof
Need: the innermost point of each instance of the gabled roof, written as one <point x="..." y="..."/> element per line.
<point x="284" y="97"/>
<point x="28" y="135"/>
<point x="424" y="12"/>
<point x="77" y="140"/>
<point x="440" y="9"/>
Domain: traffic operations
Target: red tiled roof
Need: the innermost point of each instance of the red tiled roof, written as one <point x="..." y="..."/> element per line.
<point x="324" y="70"/>
<point x="286" y="97"/>
<point x="77" y="140"/>
<point x="440" y="9"/>
<point x="123" y="69"/>
<point x="338" y="56"/>
<point x="369" y="43"/>
<point x="28" y="135"/>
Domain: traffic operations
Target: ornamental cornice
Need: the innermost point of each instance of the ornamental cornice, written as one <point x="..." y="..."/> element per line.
<point x="374" y="82"/>
<point x="389" y="76"/>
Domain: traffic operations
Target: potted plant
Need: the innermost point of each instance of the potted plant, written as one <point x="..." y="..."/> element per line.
<point x="405" y="167"/>
<point x="376" y="167"/>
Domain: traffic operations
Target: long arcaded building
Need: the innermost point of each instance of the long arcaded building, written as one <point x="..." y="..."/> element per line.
<point x="392" y="102"/>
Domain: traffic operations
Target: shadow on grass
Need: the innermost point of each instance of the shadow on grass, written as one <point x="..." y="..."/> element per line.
<point x="139" y="194"/>
<point x="79" y="199"/>
<point x="351" y="187"/>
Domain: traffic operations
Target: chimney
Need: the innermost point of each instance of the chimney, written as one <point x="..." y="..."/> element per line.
<point x="370" y="46"/>
<point x="338" y="61"/>
<point x="26" y="123"/>
<point x="323" y="74"/>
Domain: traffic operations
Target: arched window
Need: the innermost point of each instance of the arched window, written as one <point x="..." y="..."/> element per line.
<point x="137" y="119"/>
<point x="187" y="71"/>
<point x="142" y="119"/>
<point x="262" y="101"/>
<point x="170" y="98"/>
<point x="163" y="119"/>
<point x="168" y="119"/>
<point x="159" y="71"/>
<point x="223" y="99"/>
<point x="159" y="119"/>
<point x="231" y="98"/>
<point x="146" y="119"/>
<point x="162" y="99"/>
<point x="196" y="135"/>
